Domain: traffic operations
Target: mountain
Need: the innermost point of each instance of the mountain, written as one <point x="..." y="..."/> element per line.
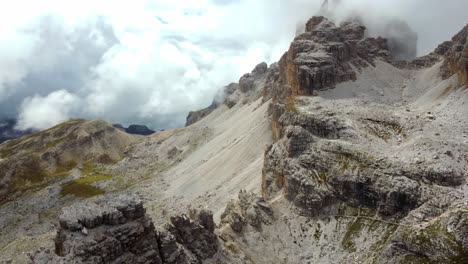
<point x="36" y="160"/>
<point x="135" y="129"/>
<point x="337" y="153"/>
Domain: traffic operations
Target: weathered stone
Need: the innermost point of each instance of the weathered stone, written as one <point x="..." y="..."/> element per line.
<point x="195" y="116"/>
<point x="118" y="231"/>
<point x="456" y="61"/>
<point x="194" y="235"/>
<point x="247" y="210"/>
<point x="322" y="56"/>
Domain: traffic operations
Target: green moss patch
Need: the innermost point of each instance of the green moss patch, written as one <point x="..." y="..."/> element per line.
<point x="319" y="177"/>
<point x="385" y="238"/>
<point x="81" y="190"/>
<point x="94" y="178"/>
<point x="64" y="169"/>
<point x="352" y="163"/>
<point x="354" y="229"/>
<point x="431" y="238"/>
<point x="83" y="187"/>
<point x="88" y="168"/>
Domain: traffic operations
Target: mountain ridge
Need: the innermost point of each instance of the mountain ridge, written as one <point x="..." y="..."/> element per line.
<point x="358" y="166"/>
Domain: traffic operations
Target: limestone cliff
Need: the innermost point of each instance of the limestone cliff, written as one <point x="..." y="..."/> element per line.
<point x="457" y="57"/>
<point x="325" y="55"/>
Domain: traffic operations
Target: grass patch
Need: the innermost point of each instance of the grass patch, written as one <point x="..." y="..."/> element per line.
<point x="353" y="230"/>
<point x="81" y="190"/>
<point x="430" y="239"/>
<point x="319" y="176"/>
<point x="353" y="163"/>
<point x="64" y="169"/>
<point x="94" y="178"/>
<point x="384" y="129"/>
<point x="83" y="187"/>
<point x="88" y="168"/>
<point x="389" y="231"/>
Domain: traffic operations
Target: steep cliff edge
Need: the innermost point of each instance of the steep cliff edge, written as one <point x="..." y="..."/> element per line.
<point x="369" y="151"/>
<point x="457" y="57"/>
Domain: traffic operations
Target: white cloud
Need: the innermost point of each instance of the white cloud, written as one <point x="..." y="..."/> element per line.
<point x="42" y="112"/>
<point x="152" y="61"/>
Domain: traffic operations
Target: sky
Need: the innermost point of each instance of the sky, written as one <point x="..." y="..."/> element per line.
<point x="152" y="61"/>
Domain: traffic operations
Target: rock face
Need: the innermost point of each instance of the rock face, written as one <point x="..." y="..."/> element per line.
<point x="247" y="210"/>
<point x="457" y="57"/>
<point x="336" y="153"/>
<point x="196" y="116"/>
<point x="249" y="89"/>
<point x="324" y="55"/>
<point x="118" y="231"/>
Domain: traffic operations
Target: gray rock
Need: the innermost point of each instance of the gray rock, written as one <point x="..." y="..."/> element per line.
<point x="117" y="230"/>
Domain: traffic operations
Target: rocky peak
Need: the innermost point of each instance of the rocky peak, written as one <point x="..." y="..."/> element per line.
<point x="456" y="61"/>
<point x="325" y="55"/>
<point x="248" y="89"/>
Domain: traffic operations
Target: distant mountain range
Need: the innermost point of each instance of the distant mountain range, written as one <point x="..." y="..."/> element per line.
<point x="135" y="129"/>
<point x="8" y="131"/>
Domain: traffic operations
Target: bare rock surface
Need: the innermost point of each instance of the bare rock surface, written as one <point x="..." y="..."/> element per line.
<point x="376" y="141"/>
<point x="117" y="230"/>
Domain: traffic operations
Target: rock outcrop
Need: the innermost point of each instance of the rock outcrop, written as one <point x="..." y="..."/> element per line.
<point x="325" y="55"/>
<point x="247" y="210"/>
<point x="249" y="88"/>
<point x="117" y="230"/>
<point x="329" y="155"/>
<point x="196" y="116"/>
<point x="457" y="57"/>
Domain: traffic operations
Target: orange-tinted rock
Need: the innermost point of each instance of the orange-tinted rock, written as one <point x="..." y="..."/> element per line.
<point x="456" y="61"/>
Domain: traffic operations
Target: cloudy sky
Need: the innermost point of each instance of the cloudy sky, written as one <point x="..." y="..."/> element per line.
<point x="151" y="61"/>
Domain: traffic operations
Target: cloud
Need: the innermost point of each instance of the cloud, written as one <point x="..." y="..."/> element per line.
<point x="42" y="112"/>
<point x="152" y="61"/>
